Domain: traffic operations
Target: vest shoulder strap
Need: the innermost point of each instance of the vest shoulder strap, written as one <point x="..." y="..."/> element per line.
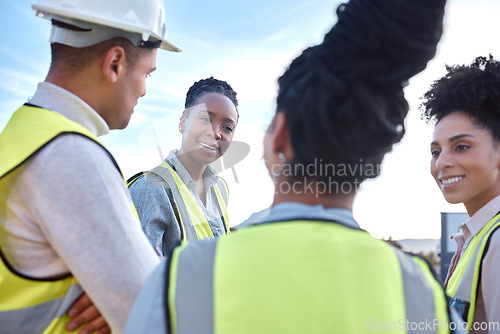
<point x="192" y="219"/>
<point x="30" y="129"/>
<point x="221" y="192"/>
<point x="136" y="176"/>
<point x="224" y="189"/>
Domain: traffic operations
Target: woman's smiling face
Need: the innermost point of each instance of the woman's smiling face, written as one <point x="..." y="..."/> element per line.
<point x="465" y="161"/>
<point x="208" y="128"/>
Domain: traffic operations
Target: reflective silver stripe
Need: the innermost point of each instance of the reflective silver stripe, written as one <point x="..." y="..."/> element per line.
<point x="194" y="297"/>
<point x="179" y="202"/>
<point x="418" y="293"/>
<point x="464" y="289"/>
<point x="465" y="286"/>
<point x="37" y="318"/>
<point x="223" y="189"/>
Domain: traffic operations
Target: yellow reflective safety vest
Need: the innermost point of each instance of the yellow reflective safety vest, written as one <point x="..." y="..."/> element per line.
<point x="464" y="282"/>
<point x="301" y="277"/>
<point x="193" y="224"/>
<point x="29" y="305"/>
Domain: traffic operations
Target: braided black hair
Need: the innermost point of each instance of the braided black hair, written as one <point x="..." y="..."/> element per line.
<point x="473" y="90"/>
<point x="210" y="85"/>
<point x="344" y="98"/>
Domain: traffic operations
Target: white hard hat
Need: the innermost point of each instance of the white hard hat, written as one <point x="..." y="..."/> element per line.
<point x="81" y="23"/>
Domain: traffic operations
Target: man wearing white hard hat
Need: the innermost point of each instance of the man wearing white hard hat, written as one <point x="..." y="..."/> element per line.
<point x="67" y="221"/>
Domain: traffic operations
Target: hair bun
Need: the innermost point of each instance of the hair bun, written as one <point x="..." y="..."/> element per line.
<point x="383" y="42"/>
<point x="344" y="98"/>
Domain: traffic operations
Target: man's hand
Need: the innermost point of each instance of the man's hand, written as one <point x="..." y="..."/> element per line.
<point x="84" y="312"/>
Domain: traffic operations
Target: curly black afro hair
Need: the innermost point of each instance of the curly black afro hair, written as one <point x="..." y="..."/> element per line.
<point x="472" y="89"/>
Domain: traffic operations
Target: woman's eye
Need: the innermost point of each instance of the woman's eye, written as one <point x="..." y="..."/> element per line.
<point x="462" y="147"/>
<point x="435" y="153"/>
<point x="228" y="129"/>
<point x="205" y="119"/>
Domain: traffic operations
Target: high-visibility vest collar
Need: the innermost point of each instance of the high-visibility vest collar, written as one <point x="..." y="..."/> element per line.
<point x="193" y="223"/>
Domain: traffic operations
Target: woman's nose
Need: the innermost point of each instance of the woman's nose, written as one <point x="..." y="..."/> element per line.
<point x="216" y="131"/>
<point x="443" y="160"/>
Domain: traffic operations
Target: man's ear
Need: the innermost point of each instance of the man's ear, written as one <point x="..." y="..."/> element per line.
<point x="114" y="63"/>
<point x="281" y="141"/>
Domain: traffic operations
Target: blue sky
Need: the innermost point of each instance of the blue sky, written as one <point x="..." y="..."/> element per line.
<point x="249" y="44"/>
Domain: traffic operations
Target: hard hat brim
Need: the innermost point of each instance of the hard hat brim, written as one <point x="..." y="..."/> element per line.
<point x="166" y="45"/>
<point x="47" y="12"/>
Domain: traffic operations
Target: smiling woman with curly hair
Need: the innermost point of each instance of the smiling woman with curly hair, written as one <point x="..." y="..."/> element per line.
<point x="465" y="162"/>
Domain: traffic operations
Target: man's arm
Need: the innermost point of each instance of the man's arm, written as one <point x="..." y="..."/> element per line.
<point x="83" y="209"/>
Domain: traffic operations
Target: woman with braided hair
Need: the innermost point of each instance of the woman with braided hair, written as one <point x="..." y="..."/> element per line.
<point x="183" y="198"/>
<point x="308" y="267"/>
